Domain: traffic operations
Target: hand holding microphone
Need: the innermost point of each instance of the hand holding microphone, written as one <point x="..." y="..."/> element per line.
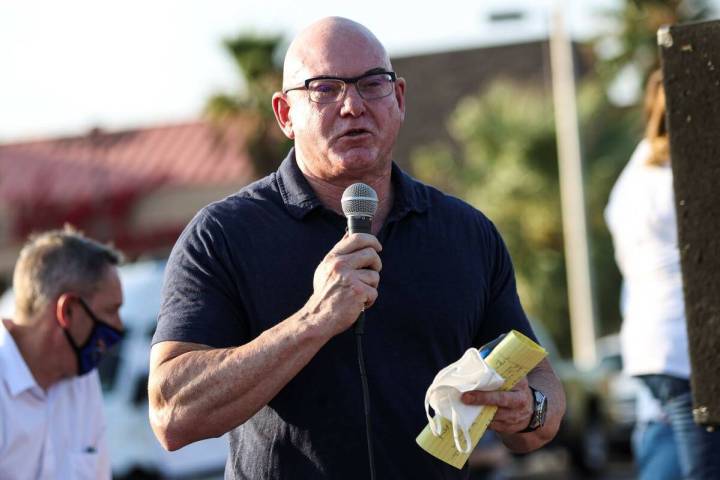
<point x="359" y="204"/>
<point x="346" y="281"/>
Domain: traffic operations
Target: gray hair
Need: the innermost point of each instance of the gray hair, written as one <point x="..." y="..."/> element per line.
<point x="56" y="262"/>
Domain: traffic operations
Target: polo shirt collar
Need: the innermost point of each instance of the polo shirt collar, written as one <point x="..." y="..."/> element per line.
<point x="300" y="198"/>
<point x="409" y="194"/>
<point x="296" y="192"/>
<point x="16" y="373"/>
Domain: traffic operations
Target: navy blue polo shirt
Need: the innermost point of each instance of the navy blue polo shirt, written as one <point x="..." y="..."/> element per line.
<point x="246" y="263"/>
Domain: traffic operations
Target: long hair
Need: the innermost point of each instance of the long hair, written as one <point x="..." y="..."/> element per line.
<point x="655" y="129"/>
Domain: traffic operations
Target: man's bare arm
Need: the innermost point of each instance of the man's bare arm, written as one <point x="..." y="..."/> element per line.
<point x="198" y="392"/>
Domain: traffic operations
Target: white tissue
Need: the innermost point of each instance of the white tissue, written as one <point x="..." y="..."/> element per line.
<point x="469" y="373"/>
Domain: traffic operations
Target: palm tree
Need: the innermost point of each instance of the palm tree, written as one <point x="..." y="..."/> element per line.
<point x="247" y="113"/>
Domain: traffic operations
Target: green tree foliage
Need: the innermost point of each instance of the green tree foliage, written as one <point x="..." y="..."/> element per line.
<point x="508" y="169"/>
<point x="507" y="165"/>
<point x="247" y="113"/>
<point x="634" y="40"/>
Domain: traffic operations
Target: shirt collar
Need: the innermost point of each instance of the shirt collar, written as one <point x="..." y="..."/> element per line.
<point x="15" y="372"/>
<point x="296" y="192"/>
<point x="300" y="199"/>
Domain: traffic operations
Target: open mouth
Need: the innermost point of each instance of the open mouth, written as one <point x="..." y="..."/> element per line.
<point x="355" y="132"/>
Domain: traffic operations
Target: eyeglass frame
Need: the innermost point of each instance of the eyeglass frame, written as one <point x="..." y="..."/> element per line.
<point x="346" y="81"/>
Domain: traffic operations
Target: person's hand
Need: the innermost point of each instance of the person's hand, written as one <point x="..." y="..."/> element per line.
<point x="515" y="407"/>
<point x="345" y="283"/>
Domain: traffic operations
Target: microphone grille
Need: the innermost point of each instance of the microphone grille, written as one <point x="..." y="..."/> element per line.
<point x="359" y="200"/>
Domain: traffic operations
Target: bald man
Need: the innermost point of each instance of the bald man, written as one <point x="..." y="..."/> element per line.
<point x="262" y="288"/>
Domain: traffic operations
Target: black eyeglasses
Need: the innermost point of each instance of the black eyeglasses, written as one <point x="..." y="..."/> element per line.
<point x="329" y="89"/>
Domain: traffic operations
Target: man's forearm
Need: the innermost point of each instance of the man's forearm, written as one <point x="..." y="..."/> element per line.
<point x="197" y="392"/>
<point x="542" y="378"/>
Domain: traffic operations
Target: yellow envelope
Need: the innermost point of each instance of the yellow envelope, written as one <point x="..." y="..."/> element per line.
<point x="512" y="358"/>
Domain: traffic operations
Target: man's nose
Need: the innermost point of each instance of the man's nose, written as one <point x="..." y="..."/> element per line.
<point x="352" y="104"/>
<point x="117" y="321"/>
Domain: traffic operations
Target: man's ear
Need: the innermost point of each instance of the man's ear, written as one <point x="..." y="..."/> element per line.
<point x="400" y="95"/>
<point x="63" y="309"/>
<point x="281" y="108"/>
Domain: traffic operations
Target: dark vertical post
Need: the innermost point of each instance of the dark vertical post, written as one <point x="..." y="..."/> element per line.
<point x="691" y="69"/>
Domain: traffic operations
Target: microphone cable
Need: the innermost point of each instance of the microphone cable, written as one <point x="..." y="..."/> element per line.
<point x="359" y="204"/>
<point x="359" y="331"/>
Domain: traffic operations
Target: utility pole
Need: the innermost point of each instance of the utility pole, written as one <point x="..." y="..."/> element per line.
<point x="572" y="193"/>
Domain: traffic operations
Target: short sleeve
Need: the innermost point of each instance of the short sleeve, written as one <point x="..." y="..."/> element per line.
<point x="200" y="299"/>
<point x="503" y="311"/>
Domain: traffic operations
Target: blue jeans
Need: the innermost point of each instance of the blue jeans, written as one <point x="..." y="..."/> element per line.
<point x="655" y="451"/>
<point x="698" y="449"/>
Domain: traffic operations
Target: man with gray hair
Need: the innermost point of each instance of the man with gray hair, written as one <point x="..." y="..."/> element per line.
<point x="67" y="298"/>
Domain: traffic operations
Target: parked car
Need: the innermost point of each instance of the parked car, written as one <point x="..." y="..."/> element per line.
<point x="619" y="390"/>
<point x="135" y="453"/>
<point x="583" y="431"/>
<point x="601" y="403"/>
<point x="592" y="423"/>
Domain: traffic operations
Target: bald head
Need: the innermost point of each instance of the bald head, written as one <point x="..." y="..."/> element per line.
<point x="351" y="137"/>
<point x="318" y="48"/>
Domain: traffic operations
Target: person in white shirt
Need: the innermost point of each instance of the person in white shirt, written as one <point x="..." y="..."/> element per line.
<point x="641" y="218"/>
<point x="67" y="298"/>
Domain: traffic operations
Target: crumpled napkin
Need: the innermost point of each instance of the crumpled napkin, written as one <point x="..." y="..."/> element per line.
<point x="470" y="372"/>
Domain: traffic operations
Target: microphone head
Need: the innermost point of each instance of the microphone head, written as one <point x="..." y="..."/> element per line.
<point x="359" y="200"/>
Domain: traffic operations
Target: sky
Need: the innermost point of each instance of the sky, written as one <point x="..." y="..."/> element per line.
<point x="72" y="65"/>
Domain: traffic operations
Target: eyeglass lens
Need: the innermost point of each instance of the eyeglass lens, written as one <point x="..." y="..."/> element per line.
<point x="369" y="88"/>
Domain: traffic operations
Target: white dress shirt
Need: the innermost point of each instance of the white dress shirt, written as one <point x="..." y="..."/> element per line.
<point x="56" y="434"/>
<point x="641" y="218"/>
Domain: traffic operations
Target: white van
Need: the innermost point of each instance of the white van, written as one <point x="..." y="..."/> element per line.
<point x="134" y="451"/>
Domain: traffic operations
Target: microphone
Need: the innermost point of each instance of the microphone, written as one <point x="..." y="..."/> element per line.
<point x="359" y="204"/>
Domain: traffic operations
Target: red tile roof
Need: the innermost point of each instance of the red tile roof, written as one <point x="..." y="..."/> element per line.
<point x="184" y="154"/>
<point x="44" y="182"/>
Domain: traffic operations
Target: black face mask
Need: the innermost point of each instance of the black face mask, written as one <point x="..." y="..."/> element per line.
<point x="101" y="338"/>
